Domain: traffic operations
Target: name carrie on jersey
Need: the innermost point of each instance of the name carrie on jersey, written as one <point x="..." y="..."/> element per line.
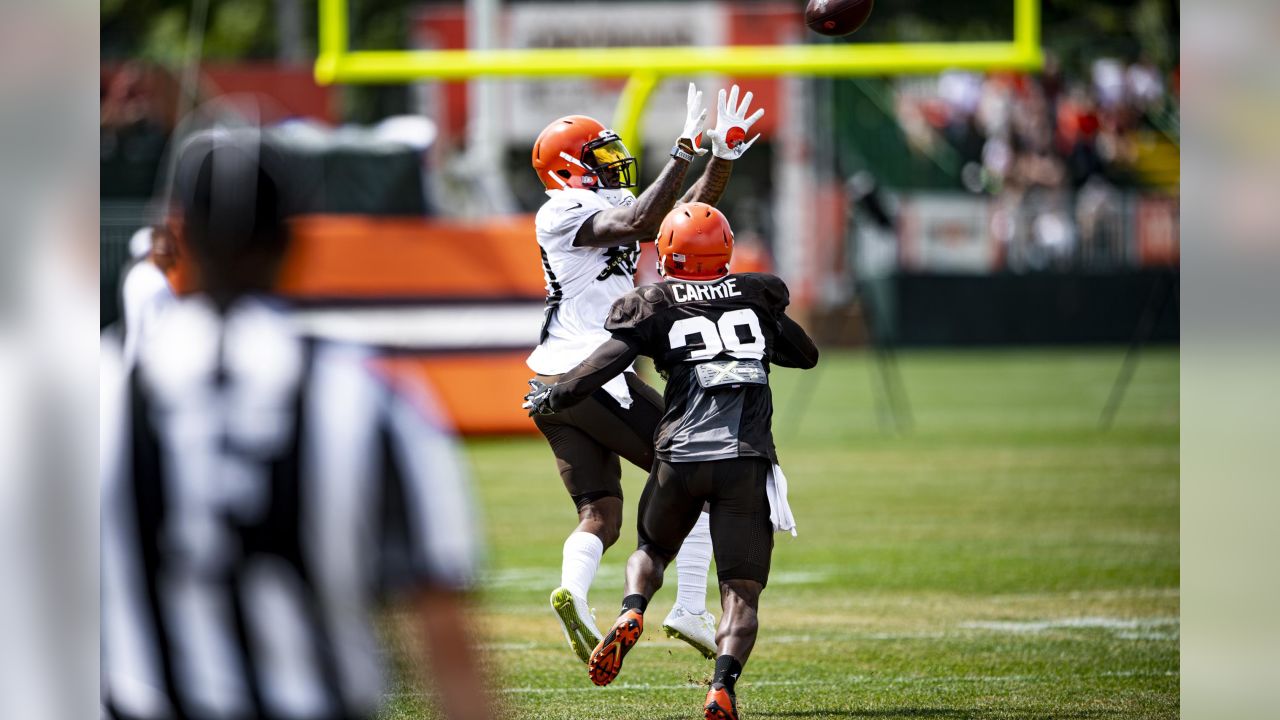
<point x="685" y="292"/>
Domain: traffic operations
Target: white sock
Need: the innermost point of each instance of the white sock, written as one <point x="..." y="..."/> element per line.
<point x="692" y="565"/>
<point x="582" y="552"/>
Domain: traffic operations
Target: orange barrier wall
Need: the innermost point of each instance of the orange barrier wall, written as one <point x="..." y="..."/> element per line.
<point x="358" y="257"/>
<point x="482" y="393"/>
<point x="337" y="258"/>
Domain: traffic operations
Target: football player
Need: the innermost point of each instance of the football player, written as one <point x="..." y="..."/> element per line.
<point x="147" y="291"/>
<point x="714" y="336"/>
<point x="589" y="232"/>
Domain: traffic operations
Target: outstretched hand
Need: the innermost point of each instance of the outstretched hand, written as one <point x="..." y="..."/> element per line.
<point x="695" y="119"/>
<point x="732" y="125"/>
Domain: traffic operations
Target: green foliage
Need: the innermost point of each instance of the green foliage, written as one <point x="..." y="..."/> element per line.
<point x="159" y="30"/>
<point x="1152" y="25"/>
<point x="165" y="41"/>
<point x="238" y="29"/>
<point x="1077" y="31"/>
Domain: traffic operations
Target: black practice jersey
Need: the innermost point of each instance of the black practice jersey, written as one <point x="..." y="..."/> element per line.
<point x="735" y="327"/>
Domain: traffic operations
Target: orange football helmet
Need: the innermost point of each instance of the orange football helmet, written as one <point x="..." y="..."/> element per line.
<point x="695" y="242"/>
<point x="578" y="152"/>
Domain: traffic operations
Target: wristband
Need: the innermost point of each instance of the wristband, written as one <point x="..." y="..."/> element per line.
<point x="678" y="152"/>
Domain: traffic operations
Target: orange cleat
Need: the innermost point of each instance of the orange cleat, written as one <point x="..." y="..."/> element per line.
<point x="606" y="660"/>
<point x="720" y="705"/>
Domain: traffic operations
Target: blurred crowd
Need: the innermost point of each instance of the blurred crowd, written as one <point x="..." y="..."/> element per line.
<point x="1056" y="151"/>
<point x="1049" y="131"/>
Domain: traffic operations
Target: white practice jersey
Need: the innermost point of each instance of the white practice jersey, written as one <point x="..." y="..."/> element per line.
<point x="262" y="493"/>
<point x="582" y="283"/>
<point x="146" y="295"/>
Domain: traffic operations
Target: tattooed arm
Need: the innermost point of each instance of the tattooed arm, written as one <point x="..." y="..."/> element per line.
<point x="730" y="116"/>
<point x="640" y="220"/>
<point x="710" y="186"/>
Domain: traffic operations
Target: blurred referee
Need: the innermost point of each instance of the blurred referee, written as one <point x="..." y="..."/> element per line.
<point x="263" y="491"/>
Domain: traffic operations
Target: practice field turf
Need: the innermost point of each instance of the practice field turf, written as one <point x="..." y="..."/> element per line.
<point x="1006" y="559"/>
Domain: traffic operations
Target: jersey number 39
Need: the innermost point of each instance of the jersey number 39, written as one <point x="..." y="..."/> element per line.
<point x="737" y="331"/>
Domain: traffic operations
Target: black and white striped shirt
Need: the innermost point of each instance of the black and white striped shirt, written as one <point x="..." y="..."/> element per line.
<point x="261" y="492"/>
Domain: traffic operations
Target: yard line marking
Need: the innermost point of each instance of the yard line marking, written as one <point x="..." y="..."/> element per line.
<point x="1134" y="626"/>
<point x="849" y="680"/>
<point x="537" y="578"/>
<point x="799" y="639"/>
<point x="1137" y="629"/>
<point x="529" y="645"/>
<point x="1171" y="635"/>
<point x="813" y="576"/>
<point x="1123" y="630"/>
<point x="1125" y="594"/>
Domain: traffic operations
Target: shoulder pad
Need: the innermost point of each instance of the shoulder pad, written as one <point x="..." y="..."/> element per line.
<point x="775" y="287"/>
<point x="635" y="307"/>
<point x="651" y="294"/>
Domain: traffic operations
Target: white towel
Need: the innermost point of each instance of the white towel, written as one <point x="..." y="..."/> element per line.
<point x="618" y="388"/>
<point x="779" y="510"/>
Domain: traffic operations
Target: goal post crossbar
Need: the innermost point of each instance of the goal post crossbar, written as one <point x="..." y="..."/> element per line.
<point x="646" y="66"/>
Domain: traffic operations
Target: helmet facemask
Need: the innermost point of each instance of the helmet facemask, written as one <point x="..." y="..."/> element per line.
<point x="610" y="162"/>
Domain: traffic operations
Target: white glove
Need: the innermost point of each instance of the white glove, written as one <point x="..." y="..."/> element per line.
<point x="732" y="126"/>
<point x="695" y="118"/>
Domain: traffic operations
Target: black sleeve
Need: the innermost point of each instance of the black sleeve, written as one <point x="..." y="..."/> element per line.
<point x="793" y="347"/>
<point x="608" y="360"/>
<point x="777" y="292"/>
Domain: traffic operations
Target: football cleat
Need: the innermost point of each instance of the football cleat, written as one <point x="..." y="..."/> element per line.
<point x="577" y="621"/>
<point x="696" y="628"/>
<point x="720" y="705"/>
<point x="606" y="661"/>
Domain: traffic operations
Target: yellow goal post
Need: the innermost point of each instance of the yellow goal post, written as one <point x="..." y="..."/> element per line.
<point x="645" y="66"/>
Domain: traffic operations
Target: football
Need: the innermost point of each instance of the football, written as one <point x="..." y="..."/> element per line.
<point x="837" y="18"/>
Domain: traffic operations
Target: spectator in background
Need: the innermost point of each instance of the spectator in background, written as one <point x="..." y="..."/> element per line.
<point x="1077" y="133"/>
<point x="1099" y="221"/>
<point x="1019" y="126"/>
<point x="1032" y="197"/>
<point x="1108" y="83"/>
<point x="1054" y="150"/>
<point x="961" y="91"/>
<point x="1053" y="83"/>
<point x="147" y="290"/>
<point x="1144" y="86"/>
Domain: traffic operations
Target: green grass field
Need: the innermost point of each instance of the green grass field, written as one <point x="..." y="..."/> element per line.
<point x="1006" y="559"/>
